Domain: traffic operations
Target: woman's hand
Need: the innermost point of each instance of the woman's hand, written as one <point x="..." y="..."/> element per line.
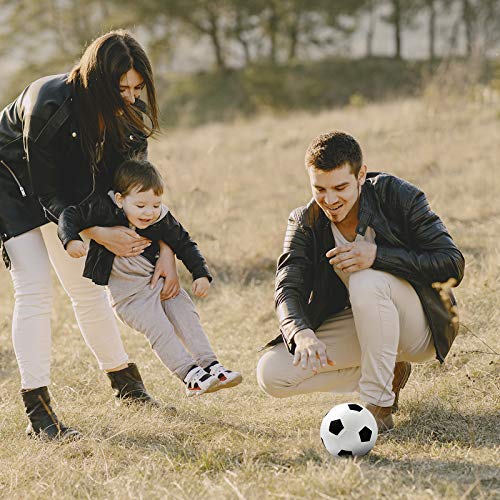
<point x="120" y="240"/>
<point x="76" y="249"/>
<point x="310" y="352"/>
<point x="201" y="286"/>
<point x="167" y="268"/>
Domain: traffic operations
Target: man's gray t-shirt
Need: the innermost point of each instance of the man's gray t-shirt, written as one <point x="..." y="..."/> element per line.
<point x="340" y="240"/>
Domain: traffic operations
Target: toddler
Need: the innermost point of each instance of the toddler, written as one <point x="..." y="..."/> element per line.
<point x="172" y="326"/>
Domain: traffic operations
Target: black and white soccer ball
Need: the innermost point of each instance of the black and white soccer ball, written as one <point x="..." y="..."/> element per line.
<point x="348" y="430"/>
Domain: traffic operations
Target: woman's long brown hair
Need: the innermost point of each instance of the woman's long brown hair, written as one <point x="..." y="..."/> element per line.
<point x="96" y="84"/>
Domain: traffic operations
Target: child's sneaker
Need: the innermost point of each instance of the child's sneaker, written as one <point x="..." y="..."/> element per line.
<point x="226" y="378"/>
<point x="198" y="381"/>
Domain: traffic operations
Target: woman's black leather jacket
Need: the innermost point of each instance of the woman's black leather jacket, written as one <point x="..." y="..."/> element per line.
<point x="42" y="166"/>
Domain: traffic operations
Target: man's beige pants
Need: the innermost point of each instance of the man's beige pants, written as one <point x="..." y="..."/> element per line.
<point x="386" y="323"/>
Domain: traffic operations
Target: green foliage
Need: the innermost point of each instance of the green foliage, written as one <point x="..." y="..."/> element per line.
<point x="270" y="40"/>
<point x="216" y="96"/>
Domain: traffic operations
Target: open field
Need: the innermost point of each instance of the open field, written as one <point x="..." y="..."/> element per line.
<point x="233" y="186"/>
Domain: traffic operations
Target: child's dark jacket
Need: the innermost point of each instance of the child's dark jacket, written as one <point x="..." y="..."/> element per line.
<point x="99" y="210"/>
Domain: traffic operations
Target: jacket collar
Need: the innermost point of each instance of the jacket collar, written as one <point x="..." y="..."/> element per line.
<point x="371" y="214"/>
<point x="368" y="213"/>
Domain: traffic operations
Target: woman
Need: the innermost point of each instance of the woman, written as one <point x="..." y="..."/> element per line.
<point x="60" y="140"/>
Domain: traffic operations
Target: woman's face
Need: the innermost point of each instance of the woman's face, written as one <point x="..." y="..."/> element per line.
<point x="131" y="84"/>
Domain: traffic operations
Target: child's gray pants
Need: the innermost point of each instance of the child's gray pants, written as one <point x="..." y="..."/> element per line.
<point x="172" y="326"/>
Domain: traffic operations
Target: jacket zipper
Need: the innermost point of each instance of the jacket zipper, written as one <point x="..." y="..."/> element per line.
<point x="91" y="192"/>
<point x="21" y="189"/>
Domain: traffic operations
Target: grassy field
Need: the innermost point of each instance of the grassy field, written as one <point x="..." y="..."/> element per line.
<point x="234" y="186"/>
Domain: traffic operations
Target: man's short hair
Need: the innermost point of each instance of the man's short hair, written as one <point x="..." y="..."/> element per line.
<point x="137" y="174"/>
<point x="334" y="150"/>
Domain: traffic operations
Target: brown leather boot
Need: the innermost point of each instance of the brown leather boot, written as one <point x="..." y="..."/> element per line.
<point x="402" y="371"/>
<point x="383" y="416"/>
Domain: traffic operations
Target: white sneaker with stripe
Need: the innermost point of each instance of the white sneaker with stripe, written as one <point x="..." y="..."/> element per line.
<point x="198" y="382"/>
<point x="226" y="378"/>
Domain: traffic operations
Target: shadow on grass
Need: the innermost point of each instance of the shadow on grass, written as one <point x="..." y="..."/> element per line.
<point x="434" y="422"/>
<point x="472" y="477"/>
<point x="181" y="451"/>
<point x="200" y="446"/>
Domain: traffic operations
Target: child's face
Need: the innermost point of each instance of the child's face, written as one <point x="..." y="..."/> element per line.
<point x="141" y="208"/>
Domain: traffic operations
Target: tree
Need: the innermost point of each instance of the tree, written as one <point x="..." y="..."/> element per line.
<point x="402" y="15"/>
<point x="468" y="15"/>
<point x="481" y="21"/>
<point x="397" y="21"/>
<point x="341" y="15"/>
<point x="290" y="25"/>
<point x="48" y="36"/>
<point x="371" y="10"/>
<point x="204" y="18"/>
<point x="198" y="18"/>
<point x="243" y="25"/>
<point x="431" y="7"/>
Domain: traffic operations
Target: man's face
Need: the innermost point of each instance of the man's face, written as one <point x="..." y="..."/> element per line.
<point x="141" y="208"/>
<point x="336" y="191"/>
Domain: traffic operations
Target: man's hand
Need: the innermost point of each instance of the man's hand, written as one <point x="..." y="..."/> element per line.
<point x="166" y="268"/>
<point x="355" y="256"/>
<point x="310" y="351"/>
<point x="76" y="249"/>
<point x="120" y="240"/>
<point x="201" y="287"/>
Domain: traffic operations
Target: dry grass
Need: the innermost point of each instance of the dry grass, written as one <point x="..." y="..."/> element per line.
<point x="233" y="186"/>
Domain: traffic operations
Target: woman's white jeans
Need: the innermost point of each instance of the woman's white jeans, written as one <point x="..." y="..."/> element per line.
<point x="31" y="255"/>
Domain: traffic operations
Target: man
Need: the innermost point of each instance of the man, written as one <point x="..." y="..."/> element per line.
<point x="354" y="293"/>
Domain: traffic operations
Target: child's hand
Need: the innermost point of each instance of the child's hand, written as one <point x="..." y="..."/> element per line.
<point x="201" y="286"/>
<point x="76" y="249"/>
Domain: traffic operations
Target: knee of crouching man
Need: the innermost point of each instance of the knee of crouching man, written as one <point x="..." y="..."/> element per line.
<point x="266" y="377"/>
<point x="367" y="284"/>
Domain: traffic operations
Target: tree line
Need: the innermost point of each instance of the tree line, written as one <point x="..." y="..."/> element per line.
<point x="239" y="32"/>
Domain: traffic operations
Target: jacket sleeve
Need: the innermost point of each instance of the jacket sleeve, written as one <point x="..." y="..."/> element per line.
<point x="76" y="218"/>
<point x="435" y="257"/>
<point x="185" y="248"/>
<point x="293" y="284"/>
<point x="41" y="154"/>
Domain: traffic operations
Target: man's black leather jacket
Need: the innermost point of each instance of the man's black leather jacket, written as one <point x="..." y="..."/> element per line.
<point x="42" y="166"/>
<point x="412" y="243"/>
<point x="100" y="210"/>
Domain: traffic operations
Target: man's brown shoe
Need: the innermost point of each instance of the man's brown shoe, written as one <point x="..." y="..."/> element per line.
<point x="383" y="416"/>
<point x="402" y="371"/>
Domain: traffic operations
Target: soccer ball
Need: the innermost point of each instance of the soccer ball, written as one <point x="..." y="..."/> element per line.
<point x="348" y="430"/>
